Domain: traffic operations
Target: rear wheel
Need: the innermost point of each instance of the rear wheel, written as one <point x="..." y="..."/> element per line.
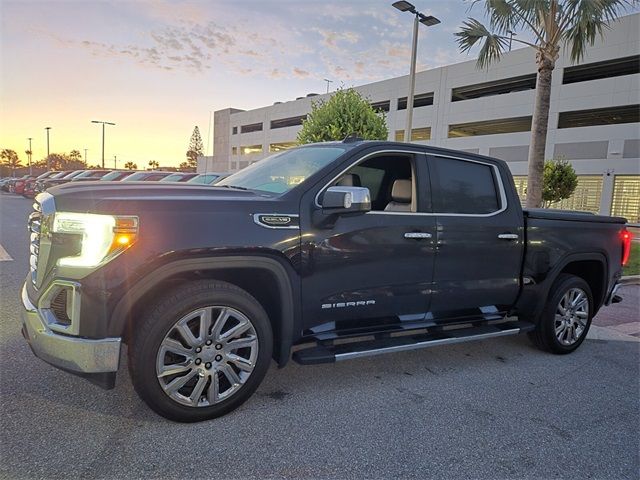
<point x="566" y="318"/>
<point x="201" y="352"/>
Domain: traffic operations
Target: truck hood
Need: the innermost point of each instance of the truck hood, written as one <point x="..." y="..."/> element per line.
<point x="115" y="196"/>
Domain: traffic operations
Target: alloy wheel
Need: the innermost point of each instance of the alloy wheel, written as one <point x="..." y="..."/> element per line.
<point x="207" y="356"/>
<point x="571" y="317"/>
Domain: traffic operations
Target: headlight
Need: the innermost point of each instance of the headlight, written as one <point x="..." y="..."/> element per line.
<point x="103" y="236"/>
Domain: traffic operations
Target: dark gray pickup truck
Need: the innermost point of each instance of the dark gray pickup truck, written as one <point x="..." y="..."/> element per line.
<point x="322" y="253"/>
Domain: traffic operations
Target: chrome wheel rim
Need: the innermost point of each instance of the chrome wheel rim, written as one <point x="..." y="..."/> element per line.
<point x="572" y="315"/>
<point x="207" y="356"/>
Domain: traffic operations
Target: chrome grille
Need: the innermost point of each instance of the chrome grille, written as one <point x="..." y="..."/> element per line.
<point x="34" y="224"/>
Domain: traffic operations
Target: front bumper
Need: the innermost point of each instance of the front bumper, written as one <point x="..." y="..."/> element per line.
<point x="81" y="356"/>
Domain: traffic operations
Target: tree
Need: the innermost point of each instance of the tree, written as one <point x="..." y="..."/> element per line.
<point x="345" y="113"/>
<point x="153" y="164"/>
<point x="130" y="166"/>
<point x="75" y="156"/>
<point x="185" y="167"/>
<point x="10" y="159"/>
<point x="64" y="161"/>
<point x="195" y="148"/>
<point x="560" y="181"/>
<point x="549" y="23"/>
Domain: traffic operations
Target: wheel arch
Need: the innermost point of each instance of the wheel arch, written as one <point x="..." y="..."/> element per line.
<point x="266" y="278"/>
<point x="591" y="267"/>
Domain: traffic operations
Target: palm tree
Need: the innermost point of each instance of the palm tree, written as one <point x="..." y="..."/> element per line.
<point x="130" y="166"/>
<point x="153" y="164"/>
<point x="550" y="24"/>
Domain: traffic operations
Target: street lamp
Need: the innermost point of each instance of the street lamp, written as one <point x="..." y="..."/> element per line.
<point x="428" y="21"/>
<point x="103" y="124"/>
<point x="328" y="82"/>
<point x="48" y="161"/>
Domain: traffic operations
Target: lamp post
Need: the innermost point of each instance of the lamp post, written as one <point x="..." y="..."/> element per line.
<point x="48" y="161"/>
<point x="428" y="21"/>
<point x="115" y="162"/>
<point x="328" y="83"/>
<point x="511" y="35"/>
<point x="30" y="153"/>
<point x="103" y="124"/>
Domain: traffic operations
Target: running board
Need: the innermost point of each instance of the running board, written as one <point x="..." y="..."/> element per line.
<point x="347" y="351"/>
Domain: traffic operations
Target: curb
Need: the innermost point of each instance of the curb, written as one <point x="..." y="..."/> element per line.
<point x="630" y="280"/>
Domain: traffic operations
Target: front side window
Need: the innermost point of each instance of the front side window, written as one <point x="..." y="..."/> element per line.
<point x="463" y="187"/>
<point x="281" y="172"/>
<point x="390" y="181"/>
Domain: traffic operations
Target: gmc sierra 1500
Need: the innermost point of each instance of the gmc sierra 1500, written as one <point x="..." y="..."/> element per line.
<point x="383" y="246"/>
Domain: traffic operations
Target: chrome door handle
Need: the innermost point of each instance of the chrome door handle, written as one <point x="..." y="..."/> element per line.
<point x="417" y="235"/>
<point x="508" y="236"/>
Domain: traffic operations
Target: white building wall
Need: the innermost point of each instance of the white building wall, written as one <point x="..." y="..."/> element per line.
<point x="622" y="40"/>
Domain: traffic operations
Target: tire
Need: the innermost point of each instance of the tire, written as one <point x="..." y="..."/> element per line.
<point x="161" y="344"/>
<point x="553" y="331"/>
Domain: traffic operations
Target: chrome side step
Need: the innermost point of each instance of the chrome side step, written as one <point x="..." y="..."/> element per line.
<point x="347" y="351"/>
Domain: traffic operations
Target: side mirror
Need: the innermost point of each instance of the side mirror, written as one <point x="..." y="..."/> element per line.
<point x="346" y="200"/>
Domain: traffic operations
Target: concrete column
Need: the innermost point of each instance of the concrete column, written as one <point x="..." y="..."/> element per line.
<point x="606" y="197"/>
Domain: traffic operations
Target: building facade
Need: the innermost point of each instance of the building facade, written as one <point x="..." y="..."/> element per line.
<point x="593" y="122"/>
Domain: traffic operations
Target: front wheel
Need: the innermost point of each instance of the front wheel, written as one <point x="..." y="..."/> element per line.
<point x="201" y="351"/>
<point x="566" y="318"/>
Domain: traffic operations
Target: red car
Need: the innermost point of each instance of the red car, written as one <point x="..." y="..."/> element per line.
<point x="18" y="186"/>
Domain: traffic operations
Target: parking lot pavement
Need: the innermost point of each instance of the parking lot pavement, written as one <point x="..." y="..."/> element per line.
<point x="491" y="409"/>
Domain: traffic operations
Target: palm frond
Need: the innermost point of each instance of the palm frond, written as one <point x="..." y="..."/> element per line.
<point x="493" y="45"/>
<point x="590" y="19"/>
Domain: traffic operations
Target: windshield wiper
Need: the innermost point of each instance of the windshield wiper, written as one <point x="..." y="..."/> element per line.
<point x="231" y="186"/>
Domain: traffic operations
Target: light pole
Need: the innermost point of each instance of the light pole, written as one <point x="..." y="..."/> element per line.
<point x="328" y="82"/>
<point x="511" y="35"/>
<point x="85" y="155"/>
<point x="115" y="162"/>
<point x="428" y="21"/>
<point x="30" y="153"/>
<point x="103" y="124"/>
<point x="48" y="161"/>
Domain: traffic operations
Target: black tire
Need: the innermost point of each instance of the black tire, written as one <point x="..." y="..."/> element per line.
<point x="544" y="336"/>
<point x="161" y="318"/>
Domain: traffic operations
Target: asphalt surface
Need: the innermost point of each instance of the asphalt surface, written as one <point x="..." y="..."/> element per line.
<point x="490" y="409"/>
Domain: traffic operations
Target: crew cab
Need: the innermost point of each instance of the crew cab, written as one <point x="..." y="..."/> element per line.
<point x="319" y="254"/>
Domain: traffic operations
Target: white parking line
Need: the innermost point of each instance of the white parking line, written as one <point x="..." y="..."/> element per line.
<point x="4" y="256"/>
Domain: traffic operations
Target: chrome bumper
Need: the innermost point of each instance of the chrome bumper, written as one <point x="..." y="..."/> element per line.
<point x="77" y="355"/>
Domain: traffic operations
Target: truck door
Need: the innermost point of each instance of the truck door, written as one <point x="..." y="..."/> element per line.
<point x="479" y="238"/>
<point x="375" y="266"/>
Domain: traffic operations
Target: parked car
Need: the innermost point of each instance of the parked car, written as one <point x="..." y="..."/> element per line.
<point x="208" y="178"/>
<point x="29" y="190"/>
<point x="117" y="175"/>
<point x="61" y="178"/>
<point x="18" y="184"/>
<point x="179" y="177"/>
<point x="147" y="176"/>
<point x="6" y="182"/>
<point x="342" y="249"/>
<point x="90" y="175"/>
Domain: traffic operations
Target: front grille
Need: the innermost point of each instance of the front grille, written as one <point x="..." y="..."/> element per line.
<point x="34" y="224"/>
<point x="59" y="307"/>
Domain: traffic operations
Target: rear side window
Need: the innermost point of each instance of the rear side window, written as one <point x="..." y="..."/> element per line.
<point x="463" y="187"/>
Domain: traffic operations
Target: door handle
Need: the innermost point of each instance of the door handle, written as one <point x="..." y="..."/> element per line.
<point x="508" y="236"/>
<point x="417" y="235"/>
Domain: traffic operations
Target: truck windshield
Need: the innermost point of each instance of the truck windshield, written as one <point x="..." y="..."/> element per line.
<point x="281" y="172"/>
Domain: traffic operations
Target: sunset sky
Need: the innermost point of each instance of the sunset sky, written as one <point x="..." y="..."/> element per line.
<point x="159" y="68"/>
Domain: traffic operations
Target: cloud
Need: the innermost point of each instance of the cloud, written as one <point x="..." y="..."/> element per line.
<point x="345" y="42"/>
<point x="299" y="73"/>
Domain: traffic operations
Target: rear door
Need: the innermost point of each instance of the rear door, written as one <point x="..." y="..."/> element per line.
<point x="479" y="238"/>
